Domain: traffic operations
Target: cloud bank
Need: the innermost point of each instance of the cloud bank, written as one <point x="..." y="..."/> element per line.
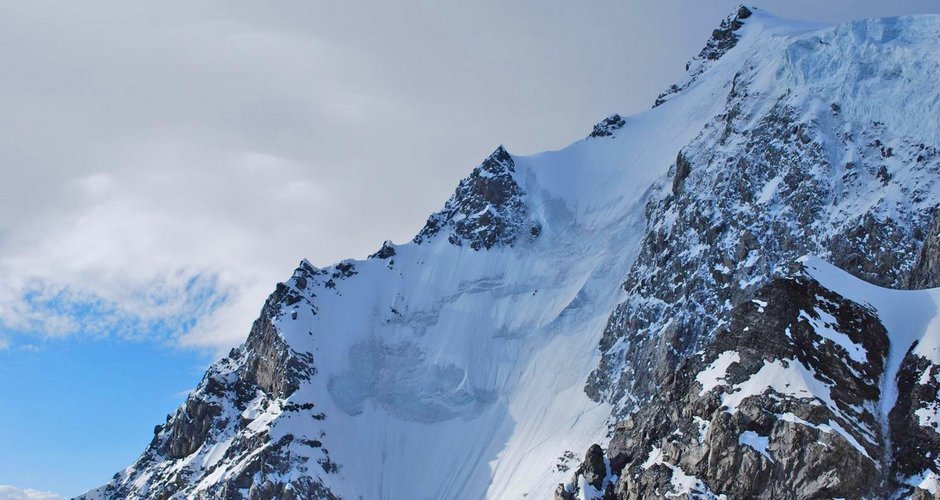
<point x="163" y="165"/>
<point x="14" y="493"/>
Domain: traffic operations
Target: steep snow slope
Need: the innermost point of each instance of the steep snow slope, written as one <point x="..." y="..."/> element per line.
<point x="454" y="366"/>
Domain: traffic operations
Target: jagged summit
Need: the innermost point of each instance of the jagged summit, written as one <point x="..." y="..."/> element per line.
<point x="725" y="36"/>
<point x="487" y="209"/>
<point x="723" y="39"/>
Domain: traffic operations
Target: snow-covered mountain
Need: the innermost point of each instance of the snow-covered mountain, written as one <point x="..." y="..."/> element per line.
<point x="641" y="296"/>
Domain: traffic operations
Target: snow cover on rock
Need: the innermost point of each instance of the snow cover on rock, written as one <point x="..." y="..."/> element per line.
<point x="772" y="408"/>
<point x="455" y="370"/>
<point x="912" y="320"/>
<point x="911" y="317"/>
<point x="714" y="374"/>
<point x="826" y="145"/>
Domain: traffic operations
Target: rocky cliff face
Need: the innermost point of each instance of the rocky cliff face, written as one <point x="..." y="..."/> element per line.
<point x="926" y="270"/>
<point x="230" y="407"/>
<point x="798" y="178"/>
<point x="639" y="298"/>
<point x="723" y="39"/>
<point x="771" y="178"/>
<point x="798" y="396"/>
<point x="608" y="126"/>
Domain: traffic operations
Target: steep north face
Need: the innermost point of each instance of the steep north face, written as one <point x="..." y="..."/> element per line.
<point x="640" y="299"/>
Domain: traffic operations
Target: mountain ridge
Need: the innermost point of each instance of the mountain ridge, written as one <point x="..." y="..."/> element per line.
<point x="467" y="350"/>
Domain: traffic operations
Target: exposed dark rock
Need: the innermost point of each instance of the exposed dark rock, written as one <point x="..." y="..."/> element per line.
<point x="562" y="493"/>
<point x="710" y="292"/>
<point x="686" y="433"/>
<point x="608" y="126"/>
<point x="724" y="38"/>
<point x="487" y="209"/>
<point x="926" y="270"/>
<point x="188" y="430"/>
<point x="262" y="373"/>
<point x="749" y="197"/>
<point x="683" y="168"/>
<point x="594" y="468"/>
<point x="915" y="439"/>
<point x="386" y="252"/>
<point x="344" y="270"/>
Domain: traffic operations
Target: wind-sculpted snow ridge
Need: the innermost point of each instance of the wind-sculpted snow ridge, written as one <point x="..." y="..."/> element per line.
<point x="821" y="386"/>
<point x="454" y="366"/>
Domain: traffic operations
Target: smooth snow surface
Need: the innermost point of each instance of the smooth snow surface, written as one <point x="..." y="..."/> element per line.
<point x="479" y="371"/>
<point x="756" y="441"/>
<point x="474" y="362"/>
<point x="714" y="374"/>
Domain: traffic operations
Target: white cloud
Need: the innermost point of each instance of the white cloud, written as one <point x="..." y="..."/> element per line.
<point x="156" y="248"/>
<point x="165" y="163"/>
<point x="13" y="493"/>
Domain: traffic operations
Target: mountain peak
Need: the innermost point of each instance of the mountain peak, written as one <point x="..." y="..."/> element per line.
<point x="717" y="362"/>
<point x="498" y="160"/>
<point x="723" y="39"/>
<point x="386" y="252"/>
<point x="487" y="208"/>
<point x="725" y="36"/>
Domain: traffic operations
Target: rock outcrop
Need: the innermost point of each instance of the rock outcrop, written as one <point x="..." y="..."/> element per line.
<point x="723" y="39"/>
<point x="925" y="273"/>
<point x="488" y="208"/>
<point x="757" y="189"/>
<point x="787" y="401"/>
<point x="216" y="432"/>
<point x="608" y="126"/>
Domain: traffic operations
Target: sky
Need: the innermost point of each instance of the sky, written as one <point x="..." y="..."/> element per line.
<point x="163" y="165"/>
